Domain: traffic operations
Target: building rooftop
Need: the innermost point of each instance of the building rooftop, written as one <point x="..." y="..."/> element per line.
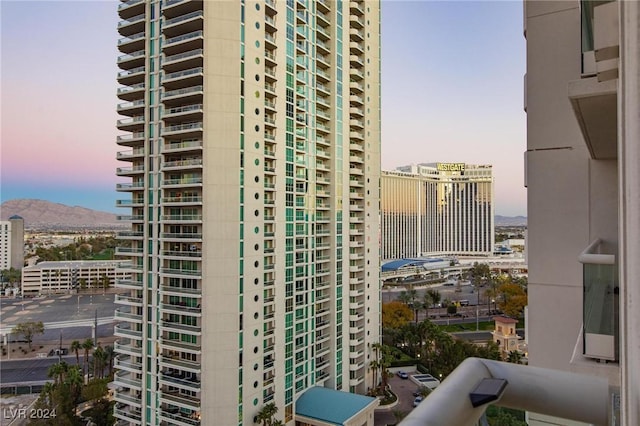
<point x="505" y="320"/>
<point x="73" y="264"/>
<point x="314" y="403"/>
<point x="394" y="265"/>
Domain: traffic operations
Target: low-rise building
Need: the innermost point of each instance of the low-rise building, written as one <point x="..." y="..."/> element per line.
<point x="61" y="277"/>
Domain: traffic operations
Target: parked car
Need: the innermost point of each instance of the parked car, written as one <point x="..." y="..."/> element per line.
<point x="417" y="401"/>
<point x="403" y="375"/>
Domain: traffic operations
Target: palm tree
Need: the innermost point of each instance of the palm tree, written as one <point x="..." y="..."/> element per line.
<point x="265" y="415"/>
<point x="99" y="362"/>
<point x="87" y="345"/>
<point x="108" y="350"/>
<point x="74" y="380"/>
<point x="57" y="372"/>
<point x="76" y="346"/>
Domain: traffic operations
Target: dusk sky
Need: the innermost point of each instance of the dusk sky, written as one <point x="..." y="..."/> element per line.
<point x="452" y="91"/>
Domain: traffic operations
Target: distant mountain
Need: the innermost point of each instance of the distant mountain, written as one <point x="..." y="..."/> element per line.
<point x="40" y="214"/>
<point x="510" y="220"/>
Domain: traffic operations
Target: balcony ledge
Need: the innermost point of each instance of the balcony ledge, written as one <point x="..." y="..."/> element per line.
<point x="595" y="106"/>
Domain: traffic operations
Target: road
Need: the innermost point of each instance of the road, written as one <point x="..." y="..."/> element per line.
<point x="30" y="370"/>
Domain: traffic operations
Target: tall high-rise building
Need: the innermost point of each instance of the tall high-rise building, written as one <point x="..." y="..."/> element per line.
<point x="583" y="102"/>
<point x="253" y="143"/>
<point x="437" y="209"/>
<point x="12" y="243"/>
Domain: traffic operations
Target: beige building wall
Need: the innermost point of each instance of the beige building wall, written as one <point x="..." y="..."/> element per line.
<point x="577" y="191"/>
<point x="254" y="245"/>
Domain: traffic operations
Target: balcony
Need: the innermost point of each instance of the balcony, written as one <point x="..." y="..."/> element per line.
<point x="180" y="364"/>
<point x="125" y="331"/>
<point x="184" y="42"/>
<point x="132" y="43"/>
<point x="189" y="95"/>
<point x="600" y="302"/>
<point x="180" y="328"/>
<point x="182" y="24"/>
<point x="181" y="309"/>
<point x="179" y="380"/>
<point x="131" y="77"/>
<point x="182" y="146"/>
<point x="173" y="8"/>
<point x="184" y="78"/>
<point x="128" y="300"/>
<point x="124" y="347"/>
<point x="129" y="284"/>
<point x="594" y="97"/>
<point x="183" y="182"/>
<point x="130" y="8"/>
<point x="179" y="419"/>
<point x="132" y="25"/>
<point x="131" y="124"/>
<point x="127" y="415"/>
<point x="182" y="200"/>
<point x="183" y="113"/>
<point x="183" y="61"/>
<point x="125" y="363"/>
<point x="182" y="400"/>
<point x="127" y="316"/>
<point x="182" y="254"/>
<point x="177" y="345"/>
<point x="132" y="108"/>
<point x="185" y="130"/>
<point x="131" y="60"/>
<point x="128" y="398"/>
<point x="131" y="93"/>
<point x="127" y="379"/>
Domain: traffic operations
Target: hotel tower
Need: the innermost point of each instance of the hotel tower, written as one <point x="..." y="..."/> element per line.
<point x="251" y="169"/>
<point x="437" y="209"/>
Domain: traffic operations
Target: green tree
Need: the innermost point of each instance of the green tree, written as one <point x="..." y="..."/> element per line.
<point x="480" y="274"/>
<point x="266" y="414"/>
<point x="74" y="381"/>
<point x="110" y="353"/>
<point x="395" y="314"/>
<point x="511" y="298"/>
<point x="75" y="347"/>
<point x="11" y="275"/>
<point x="515" y="357"/>
<point x="87" y="345"/>
<point x="452" y="309"/>
<point x="28" y="330"/>
<point x="95" y="389"/>
<point x="57" y="372"/>
<point x="101" y="414"/>
<point x="99" y="362"/>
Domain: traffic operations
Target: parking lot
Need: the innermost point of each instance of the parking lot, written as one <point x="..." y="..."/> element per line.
<point x="404" y="389"/>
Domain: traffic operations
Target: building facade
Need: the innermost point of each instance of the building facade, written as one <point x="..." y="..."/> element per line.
<point x="582" y="100"/>
<point x="12" y="243"/>
<point x="62" y="277"/>
<point x="437" y="209"/>
<point x="252" y="138"/>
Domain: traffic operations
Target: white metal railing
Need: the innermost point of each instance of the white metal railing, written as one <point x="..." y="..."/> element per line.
<point x="557" y="393"/>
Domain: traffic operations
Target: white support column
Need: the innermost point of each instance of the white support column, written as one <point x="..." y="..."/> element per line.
<point x="629" y="182"/>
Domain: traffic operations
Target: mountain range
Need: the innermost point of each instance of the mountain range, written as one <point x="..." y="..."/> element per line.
<point x="40" y="214"/>
<point x="45" y="214"/>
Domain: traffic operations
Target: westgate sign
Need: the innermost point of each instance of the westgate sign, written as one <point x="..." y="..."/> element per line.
<point x="450" y="167"/>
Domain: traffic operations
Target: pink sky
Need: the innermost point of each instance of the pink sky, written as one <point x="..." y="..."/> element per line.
<point x="451" y="85"/>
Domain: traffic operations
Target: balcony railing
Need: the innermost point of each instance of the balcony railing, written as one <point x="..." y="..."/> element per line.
<point x="600" y="303"/>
